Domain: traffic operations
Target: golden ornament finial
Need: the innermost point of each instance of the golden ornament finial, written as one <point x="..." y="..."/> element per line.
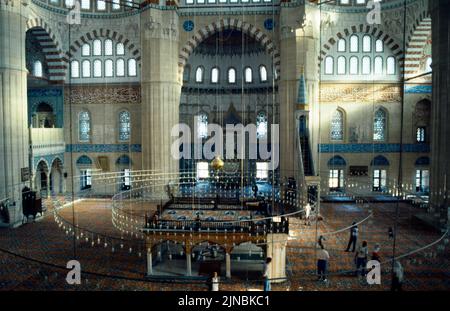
<point x="217" y="163"/>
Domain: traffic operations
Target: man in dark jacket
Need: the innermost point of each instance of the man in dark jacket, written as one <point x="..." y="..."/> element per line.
<point x="353" y="237"/>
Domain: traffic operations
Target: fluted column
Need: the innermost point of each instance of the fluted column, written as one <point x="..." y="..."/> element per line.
<point x="160" y="87"/>
<point x="440" y="147"/>
<point x="13" y="104"/>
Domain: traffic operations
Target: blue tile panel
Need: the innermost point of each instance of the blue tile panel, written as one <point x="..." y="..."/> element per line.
<point x="418" y="89"/>
<point x="368" y="148"/>
<point x="103" y="148"/>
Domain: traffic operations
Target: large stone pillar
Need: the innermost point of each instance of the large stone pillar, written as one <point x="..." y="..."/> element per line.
<point x="440" y="147"/>
<point x="149" y="262"/>
<point x="227" y="265"/>
<point x="276" y="249"/>
<point x="13" y="105"/>
<point x="160" y="87"/>
<point x="298" y="49"/>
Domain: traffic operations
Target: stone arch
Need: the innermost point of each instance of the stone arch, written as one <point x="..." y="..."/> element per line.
<point x="364" y="29"/>
<point x="51" y="47"/>
<point x="229" y="23"/>
<point x="102" y="33"/>
<point x="417" y="40"/>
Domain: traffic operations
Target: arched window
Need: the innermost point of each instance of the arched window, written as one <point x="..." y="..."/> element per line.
<point x="37" y="69"/>
<point x="215" y="75"/>
<point x="97" y="47"/>
<point x="97" y="68"/>
<point x="428" y="64"/>
<point x="86" y="68"/>
<point x="120" y="67"/>
<point x="202" y="125"/>
<point x="329" y="65"/>
<point x="132" y="67"/>
<point x="101" y="5"/>
<point x="108" y="47"/>
<point x="390" y="65"/>
<point x="231" y="75"/>
<point x="261" y="125"/>
<point x="124" y="126"/>
<point x="341" y="46"/>
<point x="354" y="46"/>
<point x="378" y="65"/>
<point x="109" y="70"/>
<point x="366" y="65"/>
<point x="379" y="125"/>
<point x="379" y="48"/>
<point x="248" y="75"/>
<point x="367" y="43"/>
<point x="74" y="69"/>
<point x="120" y="49"/>
<point x="263" y="73"/>
<point x="85" y="50"/>
<point x="341" y="64"/>
<point x="337" y="125"/>
<point x="199" y="74"/>
<point x="84" y="126"/>
<point x="354" y="65"/>
<point x="69" y="3"/>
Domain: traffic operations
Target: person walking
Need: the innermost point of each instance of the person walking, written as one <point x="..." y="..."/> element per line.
<point x="397" y="277"/>
<point x="376" y="253"/>
<point x="266" y="274"/>
<point x="322" y="262"/>
<point x="307" y="213"/>
<point x="353" y="237"/>
<point x="361" y="258"/>
<point x="215" y="282"/>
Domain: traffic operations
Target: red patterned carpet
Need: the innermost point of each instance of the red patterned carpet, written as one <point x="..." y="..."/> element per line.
<point x="45" y="241"/>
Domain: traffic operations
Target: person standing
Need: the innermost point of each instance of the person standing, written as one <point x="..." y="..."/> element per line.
<point x="353" y="237"/>
<point x="376" y="253"/>
<point x="322" y="263"/>
<point x="215" y="282"/>
<point x="397" y="277"/>
<point x="266" y="274"/>
<point x="307" y="213"/>
<point x="361" y="258"/>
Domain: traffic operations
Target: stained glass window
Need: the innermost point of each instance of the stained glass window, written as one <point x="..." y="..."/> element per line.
<point x="37" y="69"/>
<point x="124" y="125"/>
<point x="75" y="69"/>
<point x="120" y="67"/>
<point x="97" y="47"/>
<point x="120" y="49"/>
<point x="231" y="75"/>
<point x="263" y="73"/>
<point x="261" y="126"/>
<point x="132" y="67"/>
<point x="378" y="65"/>
<point x="379" y="125"/>
<point x="202" y="125"/>
<point x="420" y="134"/>
<point x="199" y="75"/>
<point x="337" y="126"/>
<point x="390" y="65"/>
<point x="108" y="47"/>
<point x="84" y="126"/>
<point x="248" y="75"/>
<point x="215" y="75"/>
<point x="367" y="43"/>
